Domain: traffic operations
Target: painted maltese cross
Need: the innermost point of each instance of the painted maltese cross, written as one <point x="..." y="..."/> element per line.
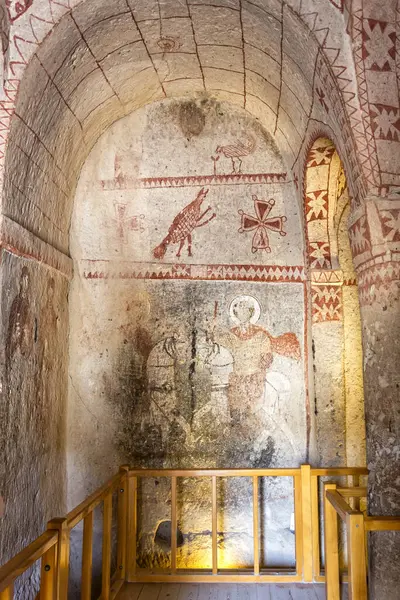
<point x="260" y="223"/>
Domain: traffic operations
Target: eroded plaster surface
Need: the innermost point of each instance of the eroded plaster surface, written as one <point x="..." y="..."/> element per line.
<point x="33" y="407"/>
<point x="187" y="344"/>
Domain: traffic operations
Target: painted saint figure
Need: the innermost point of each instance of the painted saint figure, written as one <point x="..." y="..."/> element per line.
<point x="20" y="326"/>
<point x="252" y="348"/>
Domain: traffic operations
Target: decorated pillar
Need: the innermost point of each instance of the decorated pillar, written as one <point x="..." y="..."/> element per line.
<point x="327" y="345"/>
<point x="375" y="240"/>
<point x="332" y="282"/>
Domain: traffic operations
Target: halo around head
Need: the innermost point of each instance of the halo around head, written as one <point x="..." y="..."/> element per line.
<point x="252" y="303"/>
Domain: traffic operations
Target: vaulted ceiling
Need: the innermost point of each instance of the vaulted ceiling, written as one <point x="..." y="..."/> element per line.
<point x="70" y="72"/>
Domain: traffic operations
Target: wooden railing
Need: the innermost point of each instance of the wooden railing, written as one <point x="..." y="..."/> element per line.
<point x="357" y="524"/>
<point x="53" y="547"/>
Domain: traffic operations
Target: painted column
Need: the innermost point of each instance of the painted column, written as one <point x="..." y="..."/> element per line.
<point x="327" y="345"/>
<point x="375" y="239"/>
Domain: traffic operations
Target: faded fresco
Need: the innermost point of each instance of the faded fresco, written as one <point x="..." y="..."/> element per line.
<point x="33" y="411"/>
<point x="187" y="307"/>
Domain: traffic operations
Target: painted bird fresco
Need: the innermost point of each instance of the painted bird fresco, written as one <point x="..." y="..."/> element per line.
<point x="236" y="151"/>
<point x="182" y="227"/>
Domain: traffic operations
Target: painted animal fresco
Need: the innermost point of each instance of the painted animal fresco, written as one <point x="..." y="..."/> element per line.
<point x="182" y="227"/>
<point x="237" y="151"/>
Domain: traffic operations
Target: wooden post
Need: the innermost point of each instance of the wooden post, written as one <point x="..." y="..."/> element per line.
<point x="8" y="593"/>
<point x="214" y="526"/>
<point x="173" y="524"/>
<point x="87" y="557"/>
<point x="356" y="557"/>
<point x="298" y="524"/>
<point x="355" y="482"/>
<point x="106" y="553"/>
<point x="255" y="527"/>
<point x="131" y="545"/>
<point x="122" y="522"/>
<point x="62" y="570"/>
<point x="315" y="526"/>
<point x="48" y="573"/>
<point x="331" y="547"/>
<point x="306" y="517"/>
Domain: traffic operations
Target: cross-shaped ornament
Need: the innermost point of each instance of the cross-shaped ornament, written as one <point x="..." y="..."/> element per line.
<point x="124" y="223"/>
<point x="260" y="223"/>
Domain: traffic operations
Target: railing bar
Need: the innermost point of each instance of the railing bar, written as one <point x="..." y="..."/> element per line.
<point x="122" y="523"/>
<point x="357" y="568"/>
<point x="382" y="523"/>
<point x="315" y="526"/>
<point x="131" y="546"/>
<point x="25" y="559"/>
<point x="306" y="517"/>
<point x="339" y="504"/>
<point x="353" y="492"/>
<point x="48" y="573"/>
<point x="106" y="551"/>
<point x="331" y="539"/>
<point x="355" y="480"/>
<point x="339" y="472"/>
<point x="298" y="525"/>
<point x="87" y="557"/>
<point x="85" y="507"/>
<point x="61" y="526"/>
<point x="213" y="472"/>
<point x="173" y="525"/>
<point x="214" y="527"/>
<point x="255" y="527"/>
<point x="8" y="592"/>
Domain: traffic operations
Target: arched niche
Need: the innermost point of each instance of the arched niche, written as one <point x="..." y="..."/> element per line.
<point x="188" y="314"/>
<point x="101" y="62"/>
<point x="335" y="311"/>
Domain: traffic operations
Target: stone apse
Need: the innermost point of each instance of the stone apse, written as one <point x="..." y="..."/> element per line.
<point x="192" y="320"/>
<point x="317" y="75"/>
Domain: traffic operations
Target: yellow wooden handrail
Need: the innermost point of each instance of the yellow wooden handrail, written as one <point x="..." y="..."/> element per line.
<point x="26" y="558"/>
<point x="53" y="547"/>
<point x="215" y="472"/>
<point x="357" y="524"/>
<point x="87" y="506"/>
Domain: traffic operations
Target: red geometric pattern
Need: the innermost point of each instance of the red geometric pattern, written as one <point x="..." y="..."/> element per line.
<point x="319" y="255"/>
<point x="379" y="45"/>
<point x="379" y="283"/>
<point x="95" y="269"/>
<point x="390" y="220"/>
<point x="317" y="205"/>
<point x="363" y="132"/>
<point x="326" y="303"/>
<point x="338" y="4"/>
<point x="320" y="156"/>
<point x="385" y="122"/>
<point x="17" y="8"/>
<point x="360" y="237"/>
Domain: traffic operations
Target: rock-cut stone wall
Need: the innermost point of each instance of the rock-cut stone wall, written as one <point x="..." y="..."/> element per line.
<point x="187" y="310"/>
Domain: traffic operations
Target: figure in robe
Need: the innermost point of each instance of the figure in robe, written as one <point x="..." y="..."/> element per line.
<point x="253" y="349"/>
<point x="20" y="332"/>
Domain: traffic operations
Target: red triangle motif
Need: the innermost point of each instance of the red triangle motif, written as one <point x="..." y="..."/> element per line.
<point x="262" y="208"/>
<point x="260" y="240"/>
